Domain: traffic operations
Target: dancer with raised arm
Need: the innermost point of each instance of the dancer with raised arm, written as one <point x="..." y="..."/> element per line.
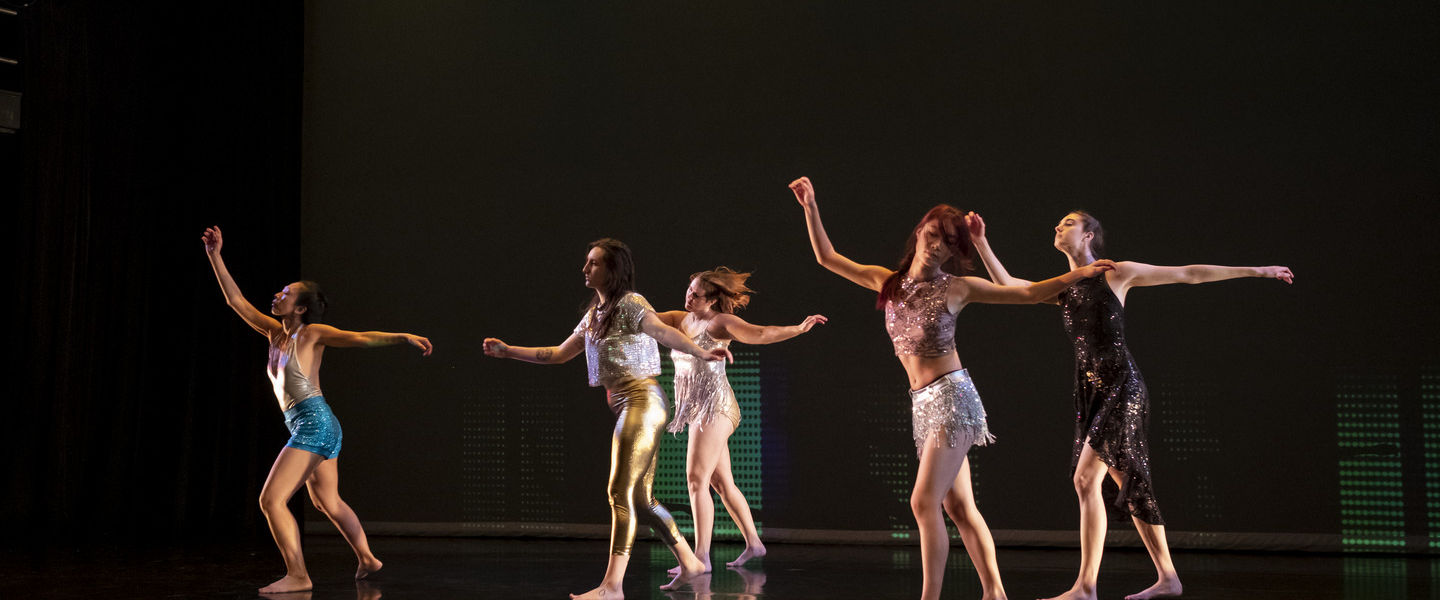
<point x="703" y="393"/>
<point x="618" y="335"/>
<point x="921" y="298"/>
<point x="1112" y="405"/>
<point x="297" y="345"/>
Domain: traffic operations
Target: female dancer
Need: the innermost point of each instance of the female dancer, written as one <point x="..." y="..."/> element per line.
<point x="1112" y="405"/>
<point x="921" y="298"/>
<point x="702" y="392"/>
<point x="618" y="334"/>
<point x="297" y="345"/>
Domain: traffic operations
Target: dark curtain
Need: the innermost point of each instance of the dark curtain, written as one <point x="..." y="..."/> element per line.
<point x="139" y="405"/>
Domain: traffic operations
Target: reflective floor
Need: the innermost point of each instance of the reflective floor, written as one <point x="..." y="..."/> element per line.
<point x="443" y="568"/>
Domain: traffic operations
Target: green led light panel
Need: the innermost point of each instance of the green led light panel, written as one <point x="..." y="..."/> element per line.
<point x="1372" y="497"/>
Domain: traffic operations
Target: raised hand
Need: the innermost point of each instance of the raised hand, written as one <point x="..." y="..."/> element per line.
<point x="212" y="240"/>
<point x="496" y="348"/>
<point x="1094" y="269"/>
<point x="1281" y="273"/>
<point x="812" y="321"/>
<point x="976" y="225"/>
<point x="804" y="192"/>
<point x="420" y="342"/>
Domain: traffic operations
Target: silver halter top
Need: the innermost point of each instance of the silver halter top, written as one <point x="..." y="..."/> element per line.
<point x="701" y="387"/>
<point x="291" y="383"/>
<point x="918" y="318"/>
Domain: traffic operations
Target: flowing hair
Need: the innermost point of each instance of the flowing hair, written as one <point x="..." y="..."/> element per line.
<point x="728" y="286"/>
<point x="621" y="270"/>
<point x="957" y="239"/>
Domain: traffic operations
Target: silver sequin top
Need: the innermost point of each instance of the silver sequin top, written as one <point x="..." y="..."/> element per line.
<point x="700" y="385"/>
<point x="919" y="319"/>
<point x="625" y="352"/>
<point x="290" y="381"/>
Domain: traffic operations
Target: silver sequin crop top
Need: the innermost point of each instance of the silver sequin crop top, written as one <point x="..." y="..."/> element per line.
<point x="625" y="352"/>
<point x="918" y="318"/>
<point x="291" y="383"/>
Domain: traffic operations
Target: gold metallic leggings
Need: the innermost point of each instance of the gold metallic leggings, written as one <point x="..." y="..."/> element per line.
<point x="640" y="417"/>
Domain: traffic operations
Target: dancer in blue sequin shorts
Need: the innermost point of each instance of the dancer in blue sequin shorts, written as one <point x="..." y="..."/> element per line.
<point x="297" y="345"/>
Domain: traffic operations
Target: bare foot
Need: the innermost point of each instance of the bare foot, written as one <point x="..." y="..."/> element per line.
<point x="1165" y="588"/>
<point x="368" y="567"/>
<point x="675" y="570"/>
<point x="288" y="584"/>
<point x="1075" y="593"/>
<point x="600" y="593"/>
<point x="749" y="553"/>
<point x="687" y="572"/>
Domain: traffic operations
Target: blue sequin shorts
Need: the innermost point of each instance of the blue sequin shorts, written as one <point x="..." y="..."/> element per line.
<point x="952" y="406"/>
<point x="314" y="428"/>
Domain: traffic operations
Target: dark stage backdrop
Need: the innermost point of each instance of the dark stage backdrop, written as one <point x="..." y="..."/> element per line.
<point x="457" y="157"/>
<point x="135" y="411"/>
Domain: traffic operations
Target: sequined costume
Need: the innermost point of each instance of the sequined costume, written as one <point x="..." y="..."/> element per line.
<point x="920" y="323"/>
<point x="1112" y="405"/>
<point x="313" y="426"/>
<point x="624" y="361"/>
<point x="701" y="389"/>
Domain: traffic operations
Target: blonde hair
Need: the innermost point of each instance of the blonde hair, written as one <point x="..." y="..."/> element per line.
<point x="727" y="287"/>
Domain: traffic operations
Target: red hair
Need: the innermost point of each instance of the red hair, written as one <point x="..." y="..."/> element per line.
<point x="957" y="239"/>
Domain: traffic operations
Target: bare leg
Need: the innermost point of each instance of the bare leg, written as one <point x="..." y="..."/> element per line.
<point x="292" y="467"/>
<point x="960" y="505"/>
<point x="1089" y="475"/>
<point x="705" y="449"/>
<point x="1168" y="583"/>
<point x="324" y="484"/>
<point x="939" y="470"/>
<point x="739" y="509"/>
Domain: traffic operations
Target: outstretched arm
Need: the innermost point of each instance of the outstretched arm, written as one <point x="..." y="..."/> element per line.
<point x="551" y="355"/>
<point x="992" y="262"/>
<point x="671" y="317"/>
<point x="676" y="339"/>
<point x="975" y="289"/>
<point x="736" y="328"/>
<point x="340" y="338"/>
<point x="1134" y="274"/>
<point x="871" y="277"/>
<point x="261" y="322"/>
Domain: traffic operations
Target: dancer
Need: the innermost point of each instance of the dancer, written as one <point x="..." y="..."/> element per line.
<point x="921" y="298"/>
<point x="618" y="335"/>
<point x="297" y="345"/>
<point x="702" y="392"/>
<point x="1112" y="405"/>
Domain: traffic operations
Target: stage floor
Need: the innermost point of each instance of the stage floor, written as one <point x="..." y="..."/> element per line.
<point x="444" y="568"/>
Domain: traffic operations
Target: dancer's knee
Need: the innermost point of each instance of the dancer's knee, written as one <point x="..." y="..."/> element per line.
<point x="924" y="504"/>
<point x="272" y="503"/>
<point x="697" y="484"/>
<point x="1087" y="484"/>
<point x="328" y="505"/>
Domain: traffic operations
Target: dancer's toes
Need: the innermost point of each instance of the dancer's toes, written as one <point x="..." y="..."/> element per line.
<point x="1165" y="588"/>
<point x="1076" y="594"/>
<point x="288" y="584"/>
<point x="687" y="572"/>
<point x="368" y="567"/>
<point x="600" y="593"/>
<point x="750" y="552"/>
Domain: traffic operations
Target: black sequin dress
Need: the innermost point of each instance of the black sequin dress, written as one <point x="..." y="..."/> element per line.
<point x="1112" y="406"/>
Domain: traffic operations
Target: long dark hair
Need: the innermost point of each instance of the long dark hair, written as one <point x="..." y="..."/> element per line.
<point x="728" y="287"/>
<point x="957" y="238"/>
<point x="621" y="281"/>
<point x="1090" y="224"/>
<point x="312" y="298"/>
